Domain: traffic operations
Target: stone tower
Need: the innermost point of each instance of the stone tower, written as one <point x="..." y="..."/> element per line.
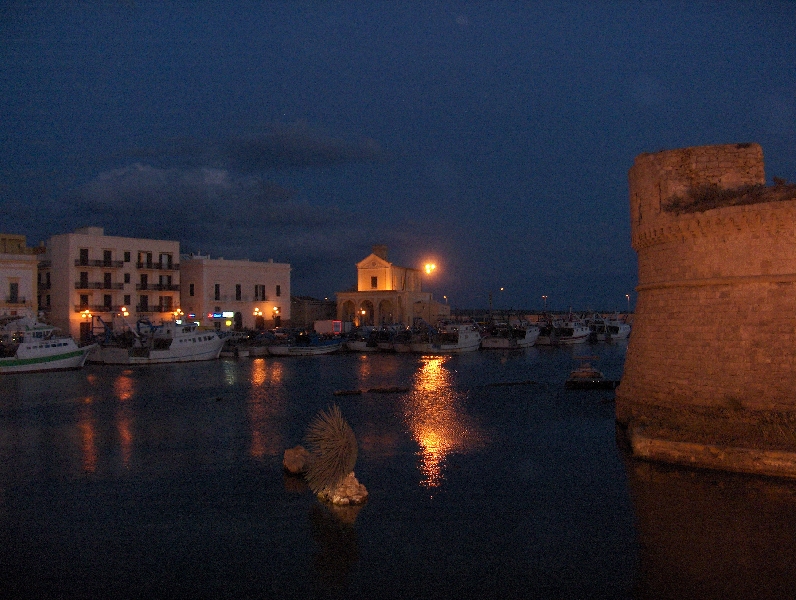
<point x="712" y="356"/>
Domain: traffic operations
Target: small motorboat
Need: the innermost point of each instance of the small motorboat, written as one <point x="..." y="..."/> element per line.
<point x="588" y="377"/>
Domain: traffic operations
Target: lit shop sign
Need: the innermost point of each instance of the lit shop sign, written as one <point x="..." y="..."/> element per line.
<point x="227" y="314"/>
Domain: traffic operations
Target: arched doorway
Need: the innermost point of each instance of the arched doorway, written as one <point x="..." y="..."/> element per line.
<point x="386" y="313"/>
<point x="365" y="313"/>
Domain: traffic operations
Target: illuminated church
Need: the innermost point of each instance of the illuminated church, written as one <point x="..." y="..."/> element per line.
<point x="387" y="294"/>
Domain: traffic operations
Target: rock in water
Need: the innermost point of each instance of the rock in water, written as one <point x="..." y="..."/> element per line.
<point x="348" y="491"/>
<point x="296" y="459"/>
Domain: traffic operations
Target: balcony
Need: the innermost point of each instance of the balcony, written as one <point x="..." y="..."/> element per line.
<point x="15" y="300"/>
<point x="155" y="308"/>
<point x="98" y="308"/>
<point x="158" y="287"/>
<point x="158" y="266"/>
<point x="97" y="285"/>
<point x="99" y="263"/>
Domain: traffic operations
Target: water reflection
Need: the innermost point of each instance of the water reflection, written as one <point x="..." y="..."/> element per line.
<point x="124" y="390"/>
<point x="434" y="415"/>
<point x="338" y="548"/>
<point x="87" y="428"/>
<point x="713" y="535"/>
<point x="263" y="408"/>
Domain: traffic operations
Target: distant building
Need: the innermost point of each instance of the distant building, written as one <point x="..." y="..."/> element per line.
<point x="87" y="274"/>
<point x="235" y="294"/>
<point x="387" y="294"/>
<point x="18" y="268"/>
<point x="306" y="310"/>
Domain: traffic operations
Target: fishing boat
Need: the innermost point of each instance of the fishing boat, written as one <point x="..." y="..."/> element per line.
<point x="402" y="341"/>
<point x="507" y="337"/>
<point x="146" y="344"/>
<point x="588" y="377"/>
<point x="306" y="344"/>
<point x="28" y="345"/>
<point x="616" y="328"/>
<point x="450" y="338"/>
<point x="602" y="329"/>
<point x="572" y="331"/>
<point x="362" y="340"/>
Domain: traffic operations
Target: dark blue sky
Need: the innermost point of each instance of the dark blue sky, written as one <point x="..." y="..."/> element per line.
<point x="494" y="137"/>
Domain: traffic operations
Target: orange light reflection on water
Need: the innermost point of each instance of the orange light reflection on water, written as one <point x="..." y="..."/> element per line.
<point x="263" y="407"/>
<point x="436" y="420"/>
<point x="124" y="388"/>
<point x="88" y="445"/>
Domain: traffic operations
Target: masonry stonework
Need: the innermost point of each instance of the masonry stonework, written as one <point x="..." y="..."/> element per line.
<point x="715" y="325"/>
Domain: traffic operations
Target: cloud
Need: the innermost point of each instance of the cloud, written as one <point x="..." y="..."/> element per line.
<point x="277" y="146"/>
<point x="226" y="214"/>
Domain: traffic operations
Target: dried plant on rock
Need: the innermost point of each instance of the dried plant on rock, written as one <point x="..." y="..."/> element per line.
<point x="333" y="450"/>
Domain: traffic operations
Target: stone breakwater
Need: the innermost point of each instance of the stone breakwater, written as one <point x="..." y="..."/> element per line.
<point x="711" y="360"/>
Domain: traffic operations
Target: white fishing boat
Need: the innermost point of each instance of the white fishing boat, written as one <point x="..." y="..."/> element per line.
<point x="147" y="344"/>
<point x="572" y="331"/>
<point x="306" y="344"/>
<point x="507" y="337"/>
<point x="450" y="338"/>
<point x="28" y="345"/>
<point x="603" y="329"/>
<point x="617" y="329"/>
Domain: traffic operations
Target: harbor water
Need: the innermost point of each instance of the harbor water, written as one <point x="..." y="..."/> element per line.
<point x="486" y="478"/>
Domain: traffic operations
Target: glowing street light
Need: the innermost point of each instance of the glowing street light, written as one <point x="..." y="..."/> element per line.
<point x="257" y="312"/>
<point x="628" y="303"/>
<point x="430" y="268"/>
<point x="544" y="299"/>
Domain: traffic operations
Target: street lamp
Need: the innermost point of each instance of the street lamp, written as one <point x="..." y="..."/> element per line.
<point x="430" y="268"/>
<point x="544" y="299"/>
<point x="628" y="303"/>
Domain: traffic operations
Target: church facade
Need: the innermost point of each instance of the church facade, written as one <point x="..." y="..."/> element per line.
<point x="387" y="294"/>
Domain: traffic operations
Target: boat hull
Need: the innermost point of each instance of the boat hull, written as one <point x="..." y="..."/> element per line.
<point x="109" y="355"/>
<point x="74" y="358"/>
<point x="280" y="350"/>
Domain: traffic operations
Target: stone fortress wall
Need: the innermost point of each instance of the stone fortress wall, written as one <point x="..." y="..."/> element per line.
<point x="715" y="323"/>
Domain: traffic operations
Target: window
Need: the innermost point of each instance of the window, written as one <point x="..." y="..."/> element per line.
<point x="165" y="303"/>
<point x="279" y="290"/>
<point x="190" y="289"/>
<point x="259" y="292"/>
<point x="83" y="280"/>
<point x="374" y="283"/>
<point x="47" y="279"/>
<point x="127" y="277"/>
<point x="127" y="256"/>
<point x="13" y="293"/>
<point x="107" y="301"/>
<point x="84" y="256"/>
<point x="47" y="300"/>
<point x="83" y="300"/>
<point x="144" y="281"/>
<point x="237" y="291"/>
<point x="107" y="257"/>
<point x="143" y="302"/>
<point x="107" y="283"/>
<point x="218" y="292"/>
<point x="127" y="299"/>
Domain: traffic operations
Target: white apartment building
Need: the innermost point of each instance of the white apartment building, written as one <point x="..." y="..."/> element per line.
<point x="235" y="294"/>
<point x="18" y="266"/>
<point x="87" y="276"/>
